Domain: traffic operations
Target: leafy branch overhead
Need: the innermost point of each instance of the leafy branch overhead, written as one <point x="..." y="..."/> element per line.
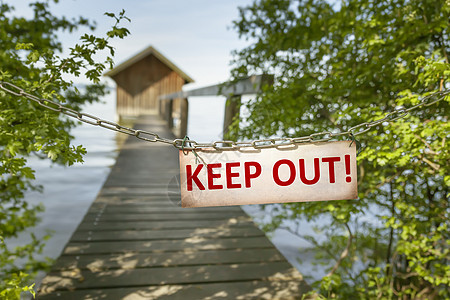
<point x="32" y="57"/>
<point x="339" y="64"/>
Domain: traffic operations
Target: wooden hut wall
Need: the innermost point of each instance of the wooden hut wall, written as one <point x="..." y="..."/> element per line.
<point x="140" y="85"/>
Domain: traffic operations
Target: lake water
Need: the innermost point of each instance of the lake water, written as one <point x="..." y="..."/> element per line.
<point x="69" y="191"/>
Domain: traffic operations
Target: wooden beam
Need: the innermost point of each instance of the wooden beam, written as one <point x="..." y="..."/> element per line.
<point x="184" y="111"/>
<point x="232" y="108"/>
<point x="251" y="85"/>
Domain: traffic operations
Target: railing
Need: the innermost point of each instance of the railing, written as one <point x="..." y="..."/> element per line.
<point x="176" y="105"/>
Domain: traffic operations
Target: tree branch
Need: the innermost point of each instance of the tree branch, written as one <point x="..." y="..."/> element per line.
<point x="387" y="180"/>
<point x="391" y="230"/>
<point x="430" y="163"/>
<point x="344" y="253"/>
<point x="427" y="144"/>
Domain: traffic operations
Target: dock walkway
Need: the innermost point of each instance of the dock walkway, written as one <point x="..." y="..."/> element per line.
<point x="136" y="243"/>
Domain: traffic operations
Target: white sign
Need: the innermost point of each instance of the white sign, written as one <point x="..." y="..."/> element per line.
<point x="294" y="173"/>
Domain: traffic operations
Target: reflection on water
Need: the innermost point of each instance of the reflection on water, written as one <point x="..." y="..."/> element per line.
<point x="69" y="191"/>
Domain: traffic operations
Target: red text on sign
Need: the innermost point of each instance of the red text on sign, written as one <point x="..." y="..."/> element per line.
<point x="302" y="170"/>
<point x="252" y="170"/>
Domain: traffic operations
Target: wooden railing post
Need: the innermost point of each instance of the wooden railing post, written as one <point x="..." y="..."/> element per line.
<point x="162" y="108"/>
<point x="184" y="110"/>
<point x="232" y="108"/>
<point x="233" y="91"/>
<point x="168" y="113"/>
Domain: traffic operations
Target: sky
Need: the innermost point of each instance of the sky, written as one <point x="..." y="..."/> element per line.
<point x="196" y="35"/>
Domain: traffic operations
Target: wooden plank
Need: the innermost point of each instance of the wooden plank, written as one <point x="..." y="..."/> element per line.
<point x="134" y="200"/>
<point x="139" y="260"/>
<point x="159" y="202"/>
<point x="164" y="224"/>
<point x="152" y="208"/>
<point x="124" y="192"/>
<point x="65" y="280"/>
<point x="248" y="290"/>
<point x="130" y="204"/>
<point x="161" y="217"/>
<point x="123" y="235"/>
<point x="167" y="245"/>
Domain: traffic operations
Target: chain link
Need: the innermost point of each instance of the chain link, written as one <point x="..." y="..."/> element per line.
<point x="188" y="144"/>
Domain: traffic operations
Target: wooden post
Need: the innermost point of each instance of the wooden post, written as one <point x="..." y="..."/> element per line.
<point x="184" y="110"/>
<point x="162" y="108"/>
<point x="168" y="113"/>
<point x="160" y="105"/>
<point x="232" y="107"/>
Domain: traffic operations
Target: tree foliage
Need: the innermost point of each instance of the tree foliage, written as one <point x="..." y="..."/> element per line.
<point x="31" y="56"/>
<point x="339" y="64"/>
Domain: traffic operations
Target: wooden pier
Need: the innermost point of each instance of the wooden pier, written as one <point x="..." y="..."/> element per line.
<point x="135" y="242"/>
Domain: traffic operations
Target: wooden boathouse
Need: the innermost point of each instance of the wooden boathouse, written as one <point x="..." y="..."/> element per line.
<point x="142" y="79"/>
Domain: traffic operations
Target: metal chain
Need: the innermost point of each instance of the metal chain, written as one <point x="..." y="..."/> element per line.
<point x="188" y="144"/>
